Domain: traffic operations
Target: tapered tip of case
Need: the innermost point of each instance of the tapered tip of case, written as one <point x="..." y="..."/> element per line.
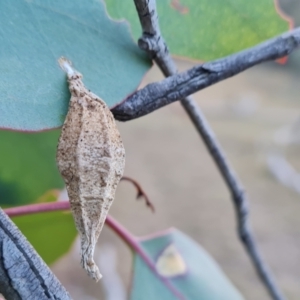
<point x="91" y="268"/>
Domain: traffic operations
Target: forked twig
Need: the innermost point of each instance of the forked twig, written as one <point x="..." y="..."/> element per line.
<point x="140" y="192"/>
<point x="158" y="94"/>
<point x="153" y="43"/>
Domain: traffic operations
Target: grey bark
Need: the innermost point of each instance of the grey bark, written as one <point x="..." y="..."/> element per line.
<point x="178" y="86"/>
<point x="23" y="274"/>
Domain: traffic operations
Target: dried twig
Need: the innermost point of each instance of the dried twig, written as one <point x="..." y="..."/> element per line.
<point x="181" y="85"/>
<point x="178" y="86"/>
<point x="140" y="192"/>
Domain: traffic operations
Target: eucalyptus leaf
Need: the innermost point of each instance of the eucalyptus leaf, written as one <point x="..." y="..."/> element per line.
<point x="27" y="167"/>
<point x="191" y="271"/>
<point x="50" y="233"/>
<point x="209" y="29"/>
<point x="36" y="33"/>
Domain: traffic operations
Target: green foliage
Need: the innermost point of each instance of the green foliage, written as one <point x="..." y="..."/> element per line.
<point x="35" y="34"/>
<point x="27" y="166"/>
<point x="208" y="29"/>
<point x="189" y="268"/>
<point x="51" y="233"/>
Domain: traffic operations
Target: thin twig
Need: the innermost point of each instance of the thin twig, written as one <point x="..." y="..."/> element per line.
<point x="153" y="43"/>
<point x="140" y="192"/>
<point x="176" y="87"/>
<point x="30" y="209"/>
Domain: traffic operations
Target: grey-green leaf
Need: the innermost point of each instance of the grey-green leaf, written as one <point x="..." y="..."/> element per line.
<point x="191" y="271"/>
<point x="34" y="34"/>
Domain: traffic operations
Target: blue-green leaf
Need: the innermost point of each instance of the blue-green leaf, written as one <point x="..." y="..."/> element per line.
<point x="36" y="33"/>
<point x="191" y="271"/>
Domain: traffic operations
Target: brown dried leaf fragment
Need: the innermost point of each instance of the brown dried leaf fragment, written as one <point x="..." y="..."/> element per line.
<point x="91" y="159"/>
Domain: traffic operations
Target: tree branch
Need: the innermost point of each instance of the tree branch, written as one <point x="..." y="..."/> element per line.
<point x="181" y="85"/>
<point x="23" y="274"/>
<point x="178" y="86"/>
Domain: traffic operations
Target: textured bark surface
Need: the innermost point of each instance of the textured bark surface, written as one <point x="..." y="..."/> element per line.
<point x="178" y="86"/>
<point x="91" y="160"/>
<point x="23" y="274"/>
